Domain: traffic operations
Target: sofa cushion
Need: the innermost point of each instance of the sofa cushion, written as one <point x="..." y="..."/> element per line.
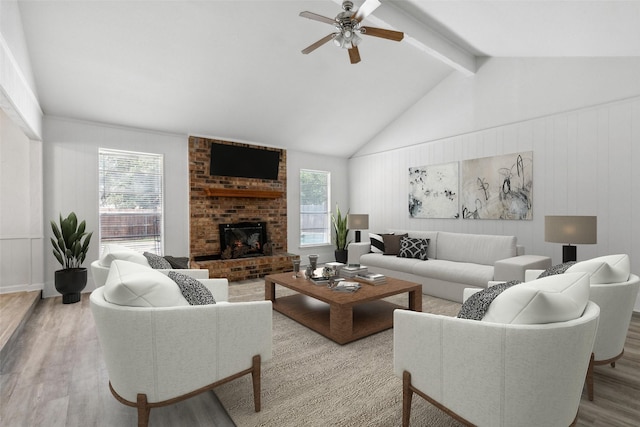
<point x="113" y="252"/>
<point x="192" y="290"/>
<point x="377" y="242"/>
<point x="551" y="299"/>
<point x="475" y="248"/>
<point x="460" y="272"/>
<point x="132" y="284"/>
<point x="156" y="261"/>
<point x="392" y="243"/>
<point x="605" y="269"/>
<point x="413" y="248"/>
<point x="390" y="262"/>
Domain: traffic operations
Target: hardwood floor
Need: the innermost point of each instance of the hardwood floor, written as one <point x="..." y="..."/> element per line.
<point x="53" y="375"/>
<point x="15" y="309"/>
<point x="616" y="390"/>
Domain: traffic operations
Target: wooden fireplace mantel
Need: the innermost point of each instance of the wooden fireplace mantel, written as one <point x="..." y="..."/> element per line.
<point x="235" y="192"/>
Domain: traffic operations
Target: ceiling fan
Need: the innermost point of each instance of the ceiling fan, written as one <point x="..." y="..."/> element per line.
<point x="348" y="27"/>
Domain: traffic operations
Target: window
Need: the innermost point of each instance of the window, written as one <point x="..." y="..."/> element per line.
<point x="314" y="208"/>
<point x="131" y="200"/>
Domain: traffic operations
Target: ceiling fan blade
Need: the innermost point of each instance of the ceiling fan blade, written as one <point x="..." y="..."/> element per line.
<point x="354" y="55"/>
<point x="319" y="43"/>
<point x="366" y="9"/>
<point x="316" y="17"/>
<point x="385" y="34"/>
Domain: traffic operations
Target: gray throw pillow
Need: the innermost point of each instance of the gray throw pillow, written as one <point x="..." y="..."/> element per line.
<point x="178" y="262"/>
<point x="392" y="243"/>
<point x="193" y="291"/>
<point x="156" y="261"/>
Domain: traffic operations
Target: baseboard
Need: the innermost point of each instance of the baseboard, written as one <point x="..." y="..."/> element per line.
<point x="22" y="288"/>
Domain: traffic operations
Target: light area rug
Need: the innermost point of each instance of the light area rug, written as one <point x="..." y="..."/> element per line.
<point x="312" y="381"/>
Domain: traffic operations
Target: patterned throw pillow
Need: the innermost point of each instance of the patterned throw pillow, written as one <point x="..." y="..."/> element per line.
<point x="411" y="247"/>
<point x="476" y="305"/>
<point x="556" y="269"/>
<point x="377" y="242"/>
<point x="192" y="290"/>
<point x="156" y="261"/>
<point x="392" y="243"/>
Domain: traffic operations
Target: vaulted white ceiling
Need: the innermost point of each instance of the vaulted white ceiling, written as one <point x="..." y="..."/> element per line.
<point x="234" y="70"/>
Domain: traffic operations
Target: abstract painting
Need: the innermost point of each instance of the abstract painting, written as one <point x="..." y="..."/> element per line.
<point x="499" y="187"/>
<point x="433" y="191"/>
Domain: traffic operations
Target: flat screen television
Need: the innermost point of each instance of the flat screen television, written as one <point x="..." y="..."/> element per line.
<point x="244" y="162"/>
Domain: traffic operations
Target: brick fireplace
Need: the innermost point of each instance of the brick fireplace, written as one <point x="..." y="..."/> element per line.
<point x="218" y="200"/>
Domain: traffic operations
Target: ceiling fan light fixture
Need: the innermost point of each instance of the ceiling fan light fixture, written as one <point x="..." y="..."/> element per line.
<point x="346" y="43"/>
<point x="348" y="29"/>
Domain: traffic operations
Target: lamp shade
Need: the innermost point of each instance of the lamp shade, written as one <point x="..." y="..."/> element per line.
<point x="571" y="229"/>
<point x="358" y="221"/>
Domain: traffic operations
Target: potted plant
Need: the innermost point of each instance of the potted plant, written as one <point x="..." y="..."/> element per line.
<point x="340" y="233"/>
<point x="70" y="248"/>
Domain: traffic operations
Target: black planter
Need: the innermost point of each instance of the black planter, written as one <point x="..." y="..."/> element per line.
<point x="341" y="255"/>
<point x="70" y="282"/>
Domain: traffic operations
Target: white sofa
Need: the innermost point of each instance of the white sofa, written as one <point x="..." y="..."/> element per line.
<point x="455" y="261"/>
<point x="100" y="267"/>
<point x="517" y="370"/>
<point x="159" y="350"/>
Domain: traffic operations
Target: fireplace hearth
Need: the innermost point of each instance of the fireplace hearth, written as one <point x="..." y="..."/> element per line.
<point x="243" y="240"/>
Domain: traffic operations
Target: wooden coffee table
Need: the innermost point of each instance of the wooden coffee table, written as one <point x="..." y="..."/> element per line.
<point x="341" y="316"/>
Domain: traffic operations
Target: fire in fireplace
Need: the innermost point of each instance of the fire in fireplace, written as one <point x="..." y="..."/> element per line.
<point x="243" y="239"/>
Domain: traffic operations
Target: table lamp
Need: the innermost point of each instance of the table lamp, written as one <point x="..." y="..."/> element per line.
<point x="358" y="222"/>
<point x="570" y="229"/>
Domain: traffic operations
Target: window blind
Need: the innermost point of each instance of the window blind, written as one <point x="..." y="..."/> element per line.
<point x="131" y="199"/>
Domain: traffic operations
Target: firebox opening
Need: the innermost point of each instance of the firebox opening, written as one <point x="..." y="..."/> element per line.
<point x="243" y="239"/>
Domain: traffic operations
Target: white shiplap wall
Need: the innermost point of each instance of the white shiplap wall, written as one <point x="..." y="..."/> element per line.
<point x="586" y="162"/>
<point x="21" y="235"/>
<point x="70" y="173"/>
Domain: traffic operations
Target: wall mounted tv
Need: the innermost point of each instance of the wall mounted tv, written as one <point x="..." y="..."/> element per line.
<point x="244" y="162"/>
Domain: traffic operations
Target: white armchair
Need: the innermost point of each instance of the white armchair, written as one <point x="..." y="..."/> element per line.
<point x="157" y="356"/>
<point x="495" y="374"/>
<point x="615" y="290"/>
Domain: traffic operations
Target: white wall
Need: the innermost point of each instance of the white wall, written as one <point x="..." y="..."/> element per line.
<point x="509" y="90"/>
<point x="71" y="181"/>
<point x="584" y="159"/>
<point x="21" y="237"/>
<point x="297" y="160"/>
<point x="17" y="88"/>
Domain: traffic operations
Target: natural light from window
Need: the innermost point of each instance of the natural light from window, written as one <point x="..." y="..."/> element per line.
<point x="314" y="207"/>
<point x="131" y="200"/>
